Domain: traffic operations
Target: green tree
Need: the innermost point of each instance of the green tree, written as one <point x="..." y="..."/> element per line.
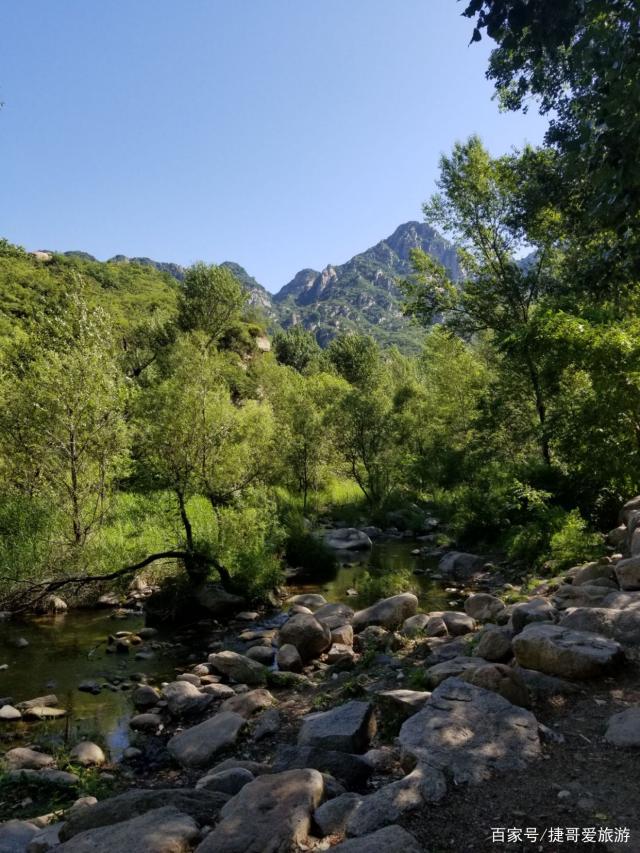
<point x="211" y="301"/>
<point x="62" y="427"/>
<point x="196" y="441"/>
<point x="356" y="358"/>
<point x="482" y="203"/>
<point x="296" y="347"/>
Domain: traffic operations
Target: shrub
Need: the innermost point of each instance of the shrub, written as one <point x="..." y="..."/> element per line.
<point x="574" y="543"/>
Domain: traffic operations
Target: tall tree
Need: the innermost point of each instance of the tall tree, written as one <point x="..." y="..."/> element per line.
<point x="482" y="204"/>
<point x="211" y="301"/>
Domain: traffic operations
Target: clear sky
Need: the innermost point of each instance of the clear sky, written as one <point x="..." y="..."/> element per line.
<point x="280" y="134"/>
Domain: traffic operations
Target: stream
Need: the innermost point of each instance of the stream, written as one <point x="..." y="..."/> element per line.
<point x="65" y="650"/>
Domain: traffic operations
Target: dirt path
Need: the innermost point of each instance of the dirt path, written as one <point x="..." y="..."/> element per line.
<point x="582" y="782"/>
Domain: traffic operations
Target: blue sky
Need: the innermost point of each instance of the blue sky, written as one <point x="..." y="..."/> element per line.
<point x="280" y="134"/>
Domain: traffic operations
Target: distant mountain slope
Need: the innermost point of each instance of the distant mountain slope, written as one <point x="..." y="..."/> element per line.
<point x="362" y="294"/>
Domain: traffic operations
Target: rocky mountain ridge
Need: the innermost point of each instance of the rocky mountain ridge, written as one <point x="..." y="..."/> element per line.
<point x="359" y="295"/>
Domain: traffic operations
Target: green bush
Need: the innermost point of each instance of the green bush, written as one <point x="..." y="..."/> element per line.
<point x="574" y="543"/>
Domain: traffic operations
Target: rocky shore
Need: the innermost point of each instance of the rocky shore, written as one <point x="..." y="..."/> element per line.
<point x="324" y="727"/>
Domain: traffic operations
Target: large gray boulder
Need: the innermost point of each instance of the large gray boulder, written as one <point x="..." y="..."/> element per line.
<point x="391" y="802"/>
<point x="440" y="672"/>
<point x="400" y="704"/>
<point x="217" y="601"/>
<point x="596" y="574"/>
<point x="23" y="758"/>
<point x="459" y="565"/>
<point x="309" y="636"/>
<point x="331" y="817"/>
<point x="183" y="698"/>
<point x="352" y="770"/>
<point x="225" y="781"/>
<point x="494" y="644"/>
<point x="334" y="615"/>
<point x="414" y="626"/>
<point x="468" y="732"/>
<point x="623" y="729"/>
<point x="483" y="607"/>
<point x="346" y="728"/>
<point x="197" y="746"/>
<point x="203" y="806"/>
<point x="288" y="659"/>
<point x="15" y="835"/>
<point x="391" y="839"/>
<point x="238" y="667"/>
<point x="347" y="539"/>
<point x="249" y="703"/>
<point x="534" y="610"/>
<point x="87" y="754"/>
<point x="389" y="613"/>
<point x="164" y="830"/>
<point x="501" y="679"/>
<point x="557" y="650"/>
<point x="312" y="600"/>
<point x="458" y="624"/>
<point x="620" y="625"/>
<point x="585" y="595"/>
<point x="622" y="601"/>
<point x="272" y="814"/>
<point x="628" y="573"/>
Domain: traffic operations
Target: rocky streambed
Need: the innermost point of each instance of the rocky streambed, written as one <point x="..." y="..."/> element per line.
<point x="380" y="728"/>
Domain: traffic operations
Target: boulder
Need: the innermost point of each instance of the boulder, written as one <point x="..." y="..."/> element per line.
<point x="501" y="679"/>
<point x="534" y="610"/>
<point x="347" y="539"/>
<point x="23" y="758"/>
<point x="262" y="654"/>
<point x="288" y="658"/>
<point x="272" y="813"/>
<point x="163" y="830"/>
<point x="468" y="732"/>
<point x="202" y="806"/>
<point x="146" y="723"/>
<point x="620" y="625"/>
<point x="197" y="746"/>
<point x="340" y="654"/>
<point x="343" y="634"/>
<point x="145" y="696"/>
<point x="435" y="627"/>
<point x="352" y="770"/>
<point x="49" y="701"/>
<point x="630" y="506"/>
<point x="184" y="698"/>
<point x="9" y="714"/>
<point x="557" y="650"/>
<point x="15" y="835"/>
<point x="391" y="839"/>
<point x="623" y="729"/>
<point x="400" y="704"/>
<point x="457" y="623"/>
<point x="267" y="724"/>
<point x="218" y="691"/>
<point x="541" y="686"/>
<point x="598" y="574"/>
<point x="43" y="712"/>
<point x="309" y="636"/>
<point x="440" y="672"/>
<point x="87" y="754"/>
<point x="248" y="703"/>
<point x="483" y="607"/>
<point x="217" y="601"/>
<point x="334" y="615"/>
<point x="618" y="536"/>
<point x="391" y="802"/>
<point x="312" y="600"/>
<point x="347" y="728"/>
<point x="46" y="776"/>
<point x="225" y="781"/>
<point x="238" y="667"/>
<point x="628" y="573"/>
<point x="331" y="817"/>
<point x="585" y="595"/>
<point x="415" y="625"/>
<point x="52" y="604"/>
<point x="45" y="839"/>
<point x="459" y="565"/>
<point x="389" y="613"/>
<point x="620" y="601"/>
<point x="494" y="644"/>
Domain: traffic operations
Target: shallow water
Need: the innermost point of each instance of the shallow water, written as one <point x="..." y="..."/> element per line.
<point x="384" y="558"/>
<point x="65" y="650"/>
